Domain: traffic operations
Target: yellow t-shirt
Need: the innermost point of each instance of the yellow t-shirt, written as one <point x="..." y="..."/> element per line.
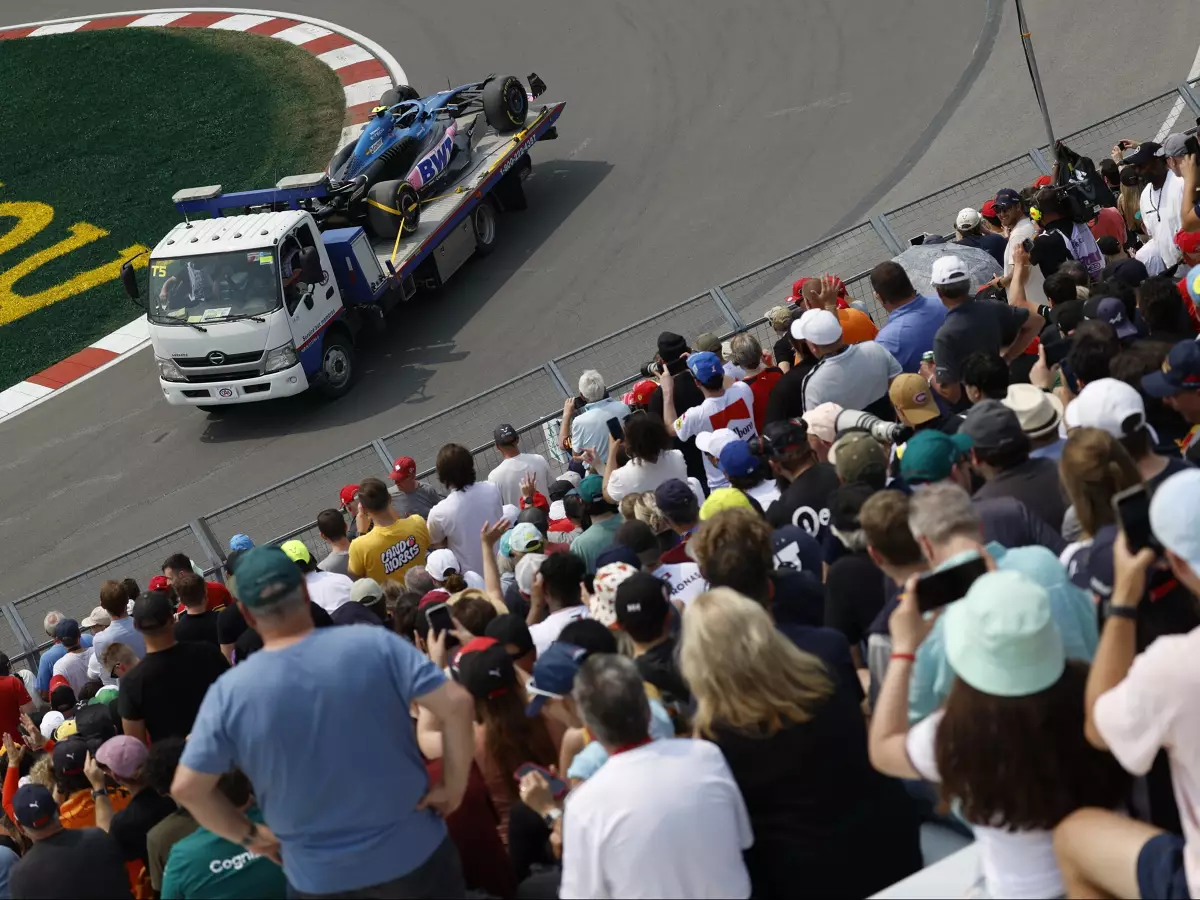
<point x="389" y="552"/>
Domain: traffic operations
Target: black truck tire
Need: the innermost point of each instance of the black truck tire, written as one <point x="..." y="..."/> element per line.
<point x="505" y="103"/>
<point x="392" y="206"/>
<point x="338" y="367"/>
<point x="398" y="94"/>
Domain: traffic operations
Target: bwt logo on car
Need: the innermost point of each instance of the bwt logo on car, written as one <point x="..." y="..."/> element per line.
<point x="434" y="161"/>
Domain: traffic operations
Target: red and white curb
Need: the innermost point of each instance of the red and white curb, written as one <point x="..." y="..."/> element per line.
<point x="365" y="69"/>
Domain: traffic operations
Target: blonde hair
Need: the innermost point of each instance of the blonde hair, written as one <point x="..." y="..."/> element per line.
<point x="43" y="772"/>
<point x="645" y="509"/>
<point x="1094" y="466"/>
<point x="743" y="673"/>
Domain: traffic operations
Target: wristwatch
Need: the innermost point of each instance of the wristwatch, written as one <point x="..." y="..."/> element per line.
<point x="99" y="792"/>
<point x="551" y="817"/>
<point x="1123" y="612"/>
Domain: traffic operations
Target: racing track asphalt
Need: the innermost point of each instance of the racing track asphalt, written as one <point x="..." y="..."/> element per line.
<point x="701" y="138"/>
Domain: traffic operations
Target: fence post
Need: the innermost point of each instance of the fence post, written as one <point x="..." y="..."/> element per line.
<point x="1039" y="160"/>
<point x="1185" y="91"/>
<point x="381" y="451"/>
<point x="17" y="624"/>
<point x="208" y="542"/>
<point x="551" y="368"/>
<point x="883" y="228"/>
<point x="723" y="304"/>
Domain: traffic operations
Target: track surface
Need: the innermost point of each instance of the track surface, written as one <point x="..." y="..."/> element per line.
<point x="701" y="138"/>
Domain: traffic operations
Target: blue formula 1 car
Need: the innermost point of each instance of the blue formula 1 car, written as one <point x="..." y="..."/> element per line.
<point x="415" y="146"/>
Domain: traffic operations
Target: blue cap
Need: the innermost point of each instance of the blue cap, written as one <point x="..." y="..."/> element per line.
<point x="1180" y="372"/>
<point x="553" y="674"/>
<point x="67" y="632"/>
<point x="618" y="553"/>
<point x="1006" y="198"/>
<point x="795" y="548"/>
<point x="240" y="542"/>
<point x="706" y="366"/>
<point x="1192" y="282"/>
<point x="34" y="806"/>
<point x="738" y="460"/>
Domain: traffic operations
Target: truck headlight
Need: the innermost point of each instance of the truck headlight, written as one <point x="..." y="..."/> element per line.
<point x="282" y="358"/>
<point x="168" y="371"/>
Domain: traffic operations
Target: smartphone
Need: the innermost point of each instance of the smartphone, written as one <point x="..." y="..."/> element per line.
<point x="936" y="589"/>
<point x="615" y="429"/>
<point x="1133" y="512"/>
<point x="1056" y="351"/>
<point x="558" y="787"/>
<point x="438" y="616"/>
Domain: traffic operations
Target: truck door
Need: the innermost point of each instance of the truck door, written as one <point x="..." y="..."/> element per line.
<point x="309" y="306"/>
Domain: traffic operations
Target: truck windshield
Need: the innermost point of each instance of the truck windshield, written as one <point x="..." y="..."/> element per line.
<point x="215" y="287"/>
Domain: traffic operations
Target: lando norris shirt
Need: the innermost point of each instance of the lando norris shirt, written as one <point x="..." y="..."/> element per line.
<point x="203" y="865"/>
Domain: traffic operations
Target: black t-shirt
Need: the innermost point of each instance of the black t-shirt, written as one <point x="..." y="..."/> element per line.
<point x="854" y="595"/>
<point x="1052" y="247"/>
<point x="131" y="825"/>
<point x="198" y="628"/>
<point x="658" y="667"/>
<point x="974" y="326"/>
<point x="230" y="624"/>
<point x="786" y="400"/>
<point x="354" y="614"/>
<point x="783" y="351"/>
<point x="246" y="640"/>
<point x="1035" y="483"/>
<point x="799" y="598"/>
<point x="805" y="502"/>
<point x="165" y="689"/>
<point x="687" y="395"/>
<point x="76" y="862"/>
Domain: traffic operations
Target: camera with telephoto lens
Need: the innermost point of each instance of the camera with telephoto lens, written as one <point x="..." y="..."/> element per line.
<point x="652" y="369"/>
<point x="851" y="420"/>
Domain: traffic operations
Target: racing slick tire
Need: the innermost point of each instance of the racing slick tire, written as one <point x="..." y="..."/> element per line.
<point x="393" y="207"/>
<point x="338" y="367"/>
<point x="398" y="94"/>
<point x="505" y="103"/>
<point x="483" y="224"/>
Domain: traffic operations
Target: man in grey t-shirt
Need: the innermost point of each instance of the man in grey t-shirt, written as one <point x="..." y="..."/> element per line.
<point x="333" y="530"/>
<point x="854" y="376"/>
<point x="412" y="498"/>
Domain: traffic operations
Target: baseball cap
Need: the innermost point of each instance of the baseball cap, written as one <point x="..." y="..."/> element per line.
<point x="437" y="595"/>
<point x="722" y="499"/>
<point x="1110" y="405"/>
<point x="705" y="366"/>
<point x="988" y="210"/>
<point x="553" y="675"/>
<point x="442" y="561"/>
<point x="50" y="721"/>
<point x="1108" y="245"/>
<point x="69" y="728"/>
<point x="106" y="694"/>
<point x="1038" y="412"/>
<point x="264" y="575"/>
<point x="675" y="500"/>
<point x="1191" y="281"/>
<point x="240" y="542"/>
<point x="786" y="434"/>
<point x="603" y="602"/>
<point x="296" y="551"/>
<point x="822" y="421"/>
<point x="1180" y="372"/>
<point x="948" y="269"/>
<point x="1111" y="310"/>
<point x="1128" y="271"/>
<point x="347" y="494"/>
<point x="911" y="394"/>
<point x="69" y="756"/>
<point x="366" y="591"/>
<point x="559" y="489"/>
<point x="642" y="391"/>
<point x="1173" y="145"/>
<point x="591" y="488"/>
<point x="403" y="467"/>
<point x="1067" y="316"/>
<point x="857" y="454"/>
<point x="122" y="755"/>
<point x="154" y="609"/>
<point x="713" y="442"/>
<point x="34" y="805"/>
<point x="795" y="548"/>
<point x="992" y="426"/>
<point x="671" y="346"/>
<point x="67" y="632"/>
<point x="1188" y="242"/>
<point x="707" y="342"/>
<point x="738" y="460"/>
<point x="98" y="616"/>
<point x="509" y="628"/>
<point x="930" y="455"/>
<point x="527" y="568"/>
<point x="159" y="583"/>
<point x="797" y="290"/>
<point x="62" y="696"/>
<point x="526" y="538"/>
<point x="818" y="326"/>
<point x="642" y="603"/>
<point x="1006" y="198"/>
<point x="967" y="219"/>
<point x="482" y="666"/>
<point x="1001" y="638"/>
<point x="1172" y="515"/>
<point x="1042" y="181"/>
<point x="505" y="434"/>
<point x="1146" y="152"/>
<point x="619" y="553"/>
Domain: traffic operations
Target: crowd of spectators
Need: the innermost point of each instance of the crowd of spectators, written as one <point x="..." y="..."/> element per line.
<point x="746" y="631"/>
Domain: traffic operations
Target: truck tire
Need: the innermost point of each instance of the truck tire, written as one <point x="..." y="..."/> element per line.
<point x="337" y="364"/>
<point x="392" y="207"/>
<point x="398" y="94"/>
<point x="484" y="224"/>
<point x="505" y="103"/>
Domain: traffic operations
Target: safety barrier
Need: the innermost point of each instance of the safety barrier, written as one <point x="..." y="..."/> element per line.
<point x="287" y="510"/>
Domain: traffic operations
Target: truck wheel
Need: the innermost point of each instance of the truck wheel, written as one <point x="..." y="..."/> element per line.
<point x="505" y="103"/>
<point x="393" y="207"/>
<point x="398" y="94"/>
<point x="337" y="365"/>
<point x="483" y="223"/>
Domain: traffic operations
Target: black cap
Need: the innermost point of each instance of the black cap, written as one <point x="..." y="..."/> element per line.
<point x="786" y="434"/>
<point x="505" y="435"/>
<point x="1146" y="152"/>
<point x="1128" y="271"/>
<point x="1108" y="245"/>
<point x="1067" y="316"/>
<point x="846" y="503"/>
<point x="671" y="346"/>
<point x="511" y="629"/>
<point x="62" y="698"/>
<point x="642" y="604"/>
<point x="482" y="666"/>
<point x="152" y="610"/>
<point x="560" y="489"/>
<point x="67" y="632"/>
<point x="69" y="756"/>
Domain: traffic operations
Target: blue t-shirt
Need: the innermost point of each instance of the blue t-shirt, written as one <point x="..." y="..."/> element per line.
<point x="322" y="729"/>
<point x="52" y="655"/>
<point x="910" y="330"/>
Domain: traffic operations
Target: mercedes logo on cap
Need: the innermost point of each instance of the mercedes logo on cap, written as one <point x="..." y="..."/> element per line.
<point x="216" y="358"/>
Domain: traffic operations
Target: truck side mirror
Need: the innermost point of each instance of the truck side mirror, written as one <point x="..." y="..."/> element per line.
<point x="310" y="265"/>
<point x="129" y="280"/>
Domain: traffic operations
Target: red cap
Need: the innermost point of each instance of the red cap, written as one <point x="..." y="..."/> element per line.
<point x="348" y="493"/>
<point x="1043" y="181"/>
<point x="642" y="391"/>
<point x="404" y="467"/>
<point x="1188" y="241"/>
<point x="988" y="210"/>
<point x="434" y="596"/>
<point x="159" y="583"/>
<point x="58" y="681"/>
<point x="797" y="287"/>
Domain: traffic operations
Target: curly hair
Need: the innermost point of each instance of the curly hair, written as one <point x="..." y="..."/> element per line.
<point x="734" y="550"/>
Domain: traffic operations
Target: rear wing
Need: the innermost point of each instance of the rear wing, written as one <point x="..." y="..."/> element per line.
<point x="290" y="193"/>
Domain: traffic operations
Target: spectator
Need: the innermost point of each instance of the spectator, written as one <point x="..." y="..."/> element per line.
<point x="796" y="745"/>
<point x="913" y="319"/>
<point x="780" y="320"/>
<point x="749" y="357"/>
<point x="196" y="623"/>
<point x="511" y="631"/>
<point x="1160" y="204"/>
<point x="915" y="404"/>
<point x="1112" y="311"/>
<point x="1188" y="243"/>
<point x="1011" y="211"/>
<point x="948" y="529"/>
<point x="387" y="546"/>
<point x="687" y="394"/>
<point x="731" y="408"/>
<point x="1178" y="384"/>
<point x="984" y="377"/>
<point x="855" y="376"/>
<point x="161" y="695"/>
<point x="1062" y="239"/>
<point x="1163" y="312"/>
<point x="448" y="574"/>
<point x="263" y="721"/>
<point x="691" y="846"/>
<point x="749" y="473"/>
<point x="859" y="459"/>
<point x="805" y="499"/>
<point x="972" y="325"/>
<point x="1008" y="744"/>
<point x="1000" y="453"/>
<point x="969" y="231"/>
<point x="218" y="594"/>
<point x="558" y="594"/>
<point x="77" y="862"/>
<point x="516" y="467"/>
<point x="1108" y="222"/>
<point x="605" y="520"/>
<point x="326" y="589"/>
<point x="332" y="528"/>
<point x="1039" y="415"/>
<point x="118" y="660"/>
<point x="160" y="771"/>
<point x="417" y="580"/>
<point x="114" y="597"/>
<point x="456" y="521"/>
<point x="1114" y="250"/>
<point x="652" y="459"/>
<point x="822" y="429"/>
<point x="681" y="514"/>
<point x="14" y="699"/>
<point x="855" y="586"/>
<point x="787" y="397"/>
<point x="642" y="610"/>
<point x="54" y="653"/>
<point x="72" y="665"/>
<point x="1094" y="468"/>
<point x="822" y="293"/>
<point x="123" y="759"/>
<point x="96" y="621"/>
<point x="368" y="606"/>
<point x="1131" y="366"/>
<point x="413" y="498"/>
<point x="1093" y="347"/>
<point x="589" y="428"/>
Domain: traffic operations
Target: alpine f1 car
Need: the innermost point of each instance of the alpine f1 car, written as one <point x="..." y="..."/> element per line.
<point x="415" y="146"/>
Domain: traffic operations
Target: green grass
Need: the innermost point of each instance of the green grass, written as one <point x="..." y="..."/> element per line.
<point x="105" y="126"/>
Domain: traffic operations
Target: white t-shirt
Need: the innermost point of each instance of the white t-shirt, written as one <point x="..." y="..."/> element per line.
<point x="328" y="589"/>
<point x="507" y="476"/>
<point x="1162" y="212"/>
<point x="1017" y="864"/>
<point x="663" y="820"/>
<point x="638" y="476"/>
<point x="459" y="518"/>
<point x="1022" y="230"/>
<point x="765" y="492"/>
<point x="74" y="667"/>
<point x="1153" y="707"/>
<point x="546" y="632"/>
<point x="733" y="410"/>
<point x="684" y="579"/>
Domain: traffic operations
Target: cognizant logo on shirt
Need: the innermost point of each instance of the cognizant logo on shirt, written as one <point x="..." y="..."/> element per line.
<point x="399" y="555"/>
<point x="236" y="863"/>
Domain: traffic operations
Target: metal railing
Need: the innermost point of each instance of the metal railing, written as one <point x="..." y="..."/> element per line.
<point x="288" y="509"/>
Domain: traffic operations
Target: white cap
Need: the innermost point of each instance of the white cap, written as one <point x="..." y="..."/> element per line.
<point x="98" y="616"/>
<point x="948" y="270"/>
<point x="527" y="568"/>
<point x="967" y="219"/>
<point x="819" y="326"/>
<point x="1173" y="516"/>
<point x="1110" y="405"/>
<point x="573" y="477"/>
<point x="50" y="721"/>
<point x="510" y="512"/>
<point x="440" y="562"/>
<point x="713" y="442"/>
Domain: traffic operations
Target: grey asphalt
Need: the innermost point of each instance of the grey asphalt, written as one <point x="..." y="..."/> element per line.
<point x="701" y="139"/>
